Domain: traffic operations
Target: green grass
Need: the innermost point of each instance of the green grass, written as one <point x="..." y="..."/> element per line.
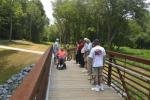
<point x="11" y="62"/>
<point x="143" y="53"/>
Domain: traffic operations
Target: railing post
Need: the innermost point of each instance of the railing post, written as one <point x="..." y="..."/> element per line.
<point x="149" y="91"/>
<point x="123" y="84"/>
<point x="109" y="70"/>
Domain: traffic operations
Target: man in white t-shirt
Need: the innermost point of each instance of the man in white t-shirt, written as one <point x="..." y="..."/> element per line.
<point x="97" y="55"/>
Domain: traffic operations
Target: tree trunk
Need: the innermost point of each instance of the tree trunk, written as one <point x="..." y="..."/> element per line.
<point x="30" y="37"/>
<point x="10" y="35"/>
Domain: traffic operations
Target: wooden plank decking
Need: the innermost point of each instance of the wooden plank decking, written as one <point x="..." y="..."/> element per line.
<point x="73" y="84"/>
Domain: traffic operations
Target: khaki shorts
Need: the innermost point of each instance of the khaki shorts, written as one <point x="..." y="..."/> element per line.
<point x="97" y="70"/>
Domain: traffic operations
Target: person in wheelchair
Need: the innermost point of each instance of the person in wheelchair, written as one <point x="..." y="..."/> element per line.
<point x="61" y="55"/>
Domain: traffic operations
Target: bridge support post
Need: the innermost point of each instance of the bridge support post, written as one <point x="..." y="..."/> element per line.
<point x="109" y="70"/>
<point x="123" y="84"/>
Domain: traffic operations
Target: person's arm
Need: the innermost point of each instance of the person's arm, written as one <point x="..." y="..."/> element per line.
<point x="104" y="56"/>
<point x="104" y="60"/>
<point x="91" y="54"/>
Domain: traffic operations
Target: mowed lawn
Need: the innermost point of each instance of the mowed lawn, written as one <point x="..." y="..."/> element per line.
<point x="12" y="61"/>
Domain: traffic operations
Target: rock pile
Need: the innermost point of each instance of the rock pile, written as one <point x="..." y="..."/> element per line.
<point x="11" y="84"/>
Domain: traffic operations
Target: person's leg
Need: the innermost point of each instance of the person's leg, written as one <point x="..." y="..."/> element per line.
<point x="95" y="73"/>
<point x="82" y="60"/>
<point x="85" y="60"/>
<point x="56" y="58"/>
<point x="101" y="78"/>
<point x="76" y="58"/>
<point x="79" y="56"/>
<point x="89" y="65"/>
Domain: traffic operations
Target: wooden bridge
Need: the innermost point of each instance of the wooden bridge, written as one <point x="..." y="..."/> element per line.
<point x="126" y="77"/>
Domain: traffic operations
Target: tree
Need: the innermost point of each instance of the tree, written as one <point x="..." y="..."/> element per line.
<point x="22" y="19"/>
<point x="110" y="18"/>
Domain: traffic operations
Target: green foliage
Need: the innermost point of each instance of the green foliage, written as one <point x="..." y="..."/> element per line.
<point x="109" y="20"/>
<point x="136" y="52"/>
<point x="26" y="19"/>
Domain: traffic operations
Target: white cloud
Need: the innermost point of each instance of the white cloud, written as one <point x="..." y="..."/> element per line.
<point x="48" y="9"/>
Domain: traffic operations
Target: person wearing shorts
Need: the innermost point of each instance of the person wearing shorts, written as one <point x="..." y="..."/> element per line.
<point x="97" y="55"/>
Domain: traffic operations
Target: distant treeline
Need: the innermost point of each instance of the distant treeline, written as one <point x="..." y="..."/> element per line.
<point x="22" y="19"/>
<point x="114" y="22"/>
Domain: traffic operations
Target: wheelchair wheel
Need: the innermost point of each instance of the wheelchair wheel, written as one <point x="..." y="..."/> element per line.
<point x="69" y="57"/>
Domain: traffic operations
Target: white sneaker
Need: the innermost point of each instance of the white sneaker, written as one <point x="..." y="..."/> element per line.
<point x="95" y="89"/>
<point x="101" y="87"/>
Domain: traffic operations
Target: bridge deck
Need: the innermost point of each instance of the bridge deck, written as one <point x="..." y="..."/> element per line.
<point x="73" y="84"/>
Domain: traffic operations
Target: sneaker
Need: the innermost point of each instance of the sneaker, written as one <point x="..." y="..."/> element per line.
<point x="98" y="86"/>
<point x="95" y="89"/>
<point x="101" y="87"/>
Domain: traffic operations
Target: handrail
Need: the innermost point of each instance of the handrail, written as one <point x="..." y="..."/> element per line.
<point x="34" y="85"/>
<point x="137" y="59"/>
<point x="135" y="80"/>
<point x="116" y="72"/>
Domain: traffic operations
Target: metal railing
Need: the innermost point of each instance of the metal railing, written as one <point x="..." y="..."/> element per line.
<point x="34" y="86"/>
<point x="128" y="75"/>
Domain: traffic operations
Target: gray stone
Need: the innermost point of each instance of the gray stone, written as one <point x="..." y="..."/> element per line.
<point x="4" y="97"/>
<point x="1" y="86"/>
<point x="27" y="69"/>
<point x="4" y="91"/>
<point x="8" y="96"/>
<point x="32" y="65"/>
<point x="13" y="77"/>
<point x="19" y="78"/>
<point x="1" y="91"/>
<point x="9" y="81"/>
<point x="25" y="73"/>
<point x="12" y="83"/>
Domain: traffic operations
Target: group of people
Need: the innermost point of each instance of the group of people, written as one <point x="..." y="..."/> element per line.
<point x="59" y="52"/>
<point x="91" y="55"/>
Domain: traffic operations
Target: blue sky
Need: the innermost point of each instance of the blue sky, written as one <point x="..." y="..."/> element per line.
<point x="49" y="11"/>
